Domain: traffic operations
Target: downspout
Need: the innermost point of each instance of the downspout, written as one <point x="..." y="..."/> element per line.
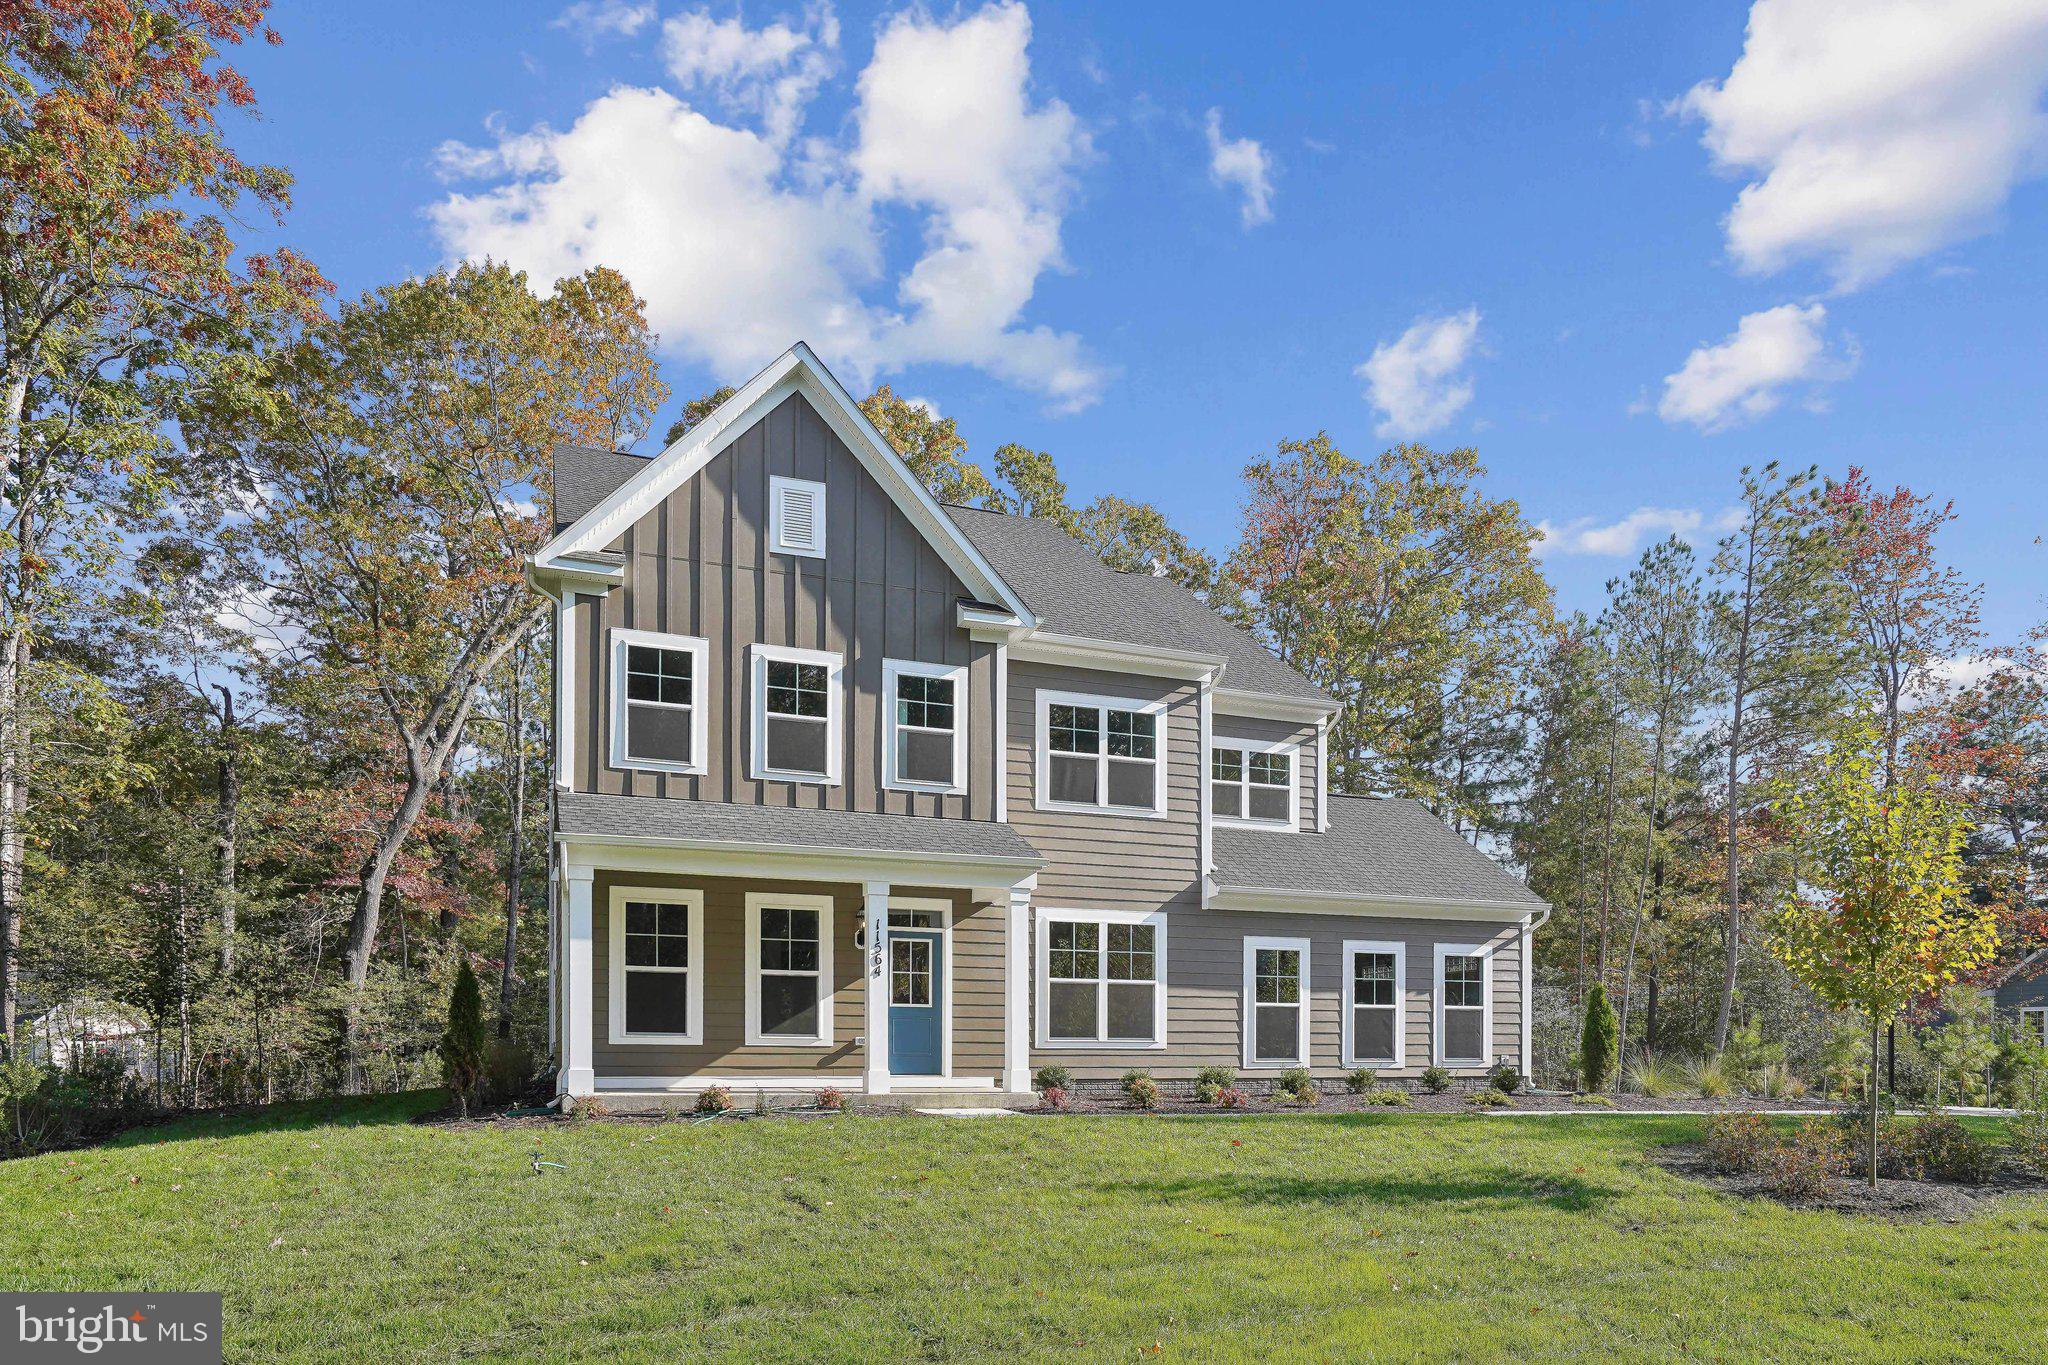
<point x="1529" y="929"/>
<point x="1206" y="729"/>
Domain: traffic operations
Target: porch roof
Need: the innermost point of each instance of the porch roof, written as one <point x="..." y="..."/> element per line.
<point x="714" y="824"/>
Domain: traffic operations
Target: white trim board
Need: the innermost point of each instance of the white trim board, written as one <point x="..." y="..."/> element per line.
<point x="893" y="670"/>
<point x="757" y="901"/>
<point x="615" y="986"/>
<point x="797" y="370"/>
<point x="1484" y="952"/>
<point x="699" y="650"/>
<point x="1303" y="1008"/>
<point x="1399" y="951"/>
<point x="1042" y="974"/>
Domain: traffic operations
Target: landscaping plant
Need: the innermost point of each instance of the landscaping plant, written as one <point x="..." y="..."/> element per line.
<point x="1598" y="1040"/>
<point x="1143" y="1090"/>
<point x="1436" y="1080"/>
<point x="463" y="1044"/>
<point x="1052" y="1078"/>
<point x="715" y="1099"/>
<point x="1490" y="1098"/>
<point x="1053" y="1097"/>
<point x="1505" y="1079"/>
<point x="1361" y="1080"/>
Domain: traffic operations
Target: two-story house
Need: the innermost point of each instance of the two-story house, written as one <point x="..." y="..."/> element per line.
<point x="855" y="789"/>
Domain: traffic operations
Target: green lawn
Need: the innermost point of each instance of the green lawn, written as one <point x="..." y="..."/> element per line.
<point x="342" y="1232"/>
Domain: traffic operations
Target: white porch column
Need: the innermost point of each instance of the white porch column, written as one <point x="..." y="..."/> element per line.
<point x="579" y="1076"/>
<point x="1017" y="993"/>
<point x="876" y="1073"/>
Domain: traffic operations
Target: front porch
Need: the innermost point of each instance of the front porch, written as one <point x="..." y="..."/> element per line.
<point x="777" y="972"/>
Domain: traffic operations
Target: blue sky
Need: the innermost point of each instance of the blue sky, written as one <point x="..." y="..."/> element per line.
<point x="1623" y="251"/>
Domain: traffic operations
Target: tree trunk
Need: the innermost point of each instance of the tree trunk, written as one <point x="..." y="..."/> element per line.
<point x="1628" y="975"/>
<point x="227" y="814"/>
<point x="14" y="657"/>
<point x="515" y="860"/>
<point x="1872" y="1097"/>
<point x="369" y="910"/>
<point x="449" y="846"/>
<point x="1725" y="1014"/>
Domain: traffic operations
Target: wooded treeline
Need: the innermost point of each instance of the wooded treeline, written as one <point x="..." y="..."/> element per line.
<point x="273" y="749"/>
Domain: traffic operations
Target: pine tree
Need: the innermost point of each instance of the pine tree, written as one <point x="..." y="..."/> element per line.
<point x="1597" y="1039"/>
<point x="462" y="1046"/>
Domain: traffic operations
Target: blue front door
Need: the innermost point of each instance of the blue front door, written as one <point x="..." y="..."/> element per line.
<point x="915" y="988"/>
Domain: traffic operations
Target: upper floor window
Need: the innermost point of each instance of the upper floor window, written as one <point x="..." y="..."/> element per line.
<point x="1252" y="783"/>
<point x="924" y="737"/>
<point x="798" y="704"/>
<point x="796" y="517"/>
<point x="657" y="715"/>
<point x="1101" y="753"/>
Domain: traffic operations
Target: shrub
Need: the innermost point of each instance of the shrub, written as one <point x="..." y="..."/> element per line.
<point x="462" y="1044"/>
<point x="1801" y="1166"/>
<point x="1219" y="1076"/>
<point x="1143" y="1090"/>
<point x="2029" y="1136"/>
<point x="1504" y="1078"/>
<point x="715" y="1099"/>
<point x="1490" y="1098"/>
<point x="1652" y="1077"/>
<point x="1779" y="1082"/>
<point x="1709" y="1076"/>
<point x="1292" y="1082"/>
<point x="1053" y="1097"/>
<point x="1134" y="1079"/>
<point x="1207" y="1091"/>
<point x="1599" y="1038"/>
<point x="832" y="1101"/>
<point x="588" y="1107"/>
<point x="1739" y="1142"/>
<point x="1593" y="1101"/>
<point x="1052" y="1078"/>
<point x="508" y="1069"/>
<point x="1362" y="1080"/>
<point x="1436" y="1080"/>
<point x="1307" y="1096"/>
<point x="1392" y="1096"/>
<point x="1230" y="1097"/>
<point x="1941" y="1147"/>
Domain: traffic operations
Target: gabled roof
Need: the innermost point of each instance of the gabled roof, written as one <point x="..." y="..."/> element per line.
<point x="584" y="477"/>
<point x="716" y="824"/>
<point x="796" y="370"/>
<point x="1378" y="849"/>
<point x="1072" y="592"/>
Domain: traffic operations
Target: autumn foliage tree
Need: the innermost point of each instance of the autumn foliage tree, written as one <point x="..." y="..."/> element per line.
<point x="402" y="460"/>
<point x="1879" y="918"/>
<point x="122" y="295"/>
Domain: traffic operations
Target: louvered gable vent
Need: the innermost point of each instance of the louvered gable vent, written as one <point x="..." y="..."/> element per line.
<point x="796" y="517"/>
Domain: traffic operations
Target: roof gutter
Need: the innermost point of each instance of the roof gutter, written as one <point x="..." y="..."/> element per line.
<point x="1272" y="898"/>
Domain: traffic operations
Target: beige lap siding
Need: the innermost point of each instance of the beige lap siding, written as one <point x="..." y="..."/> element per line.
<point x="1205" y="992"/>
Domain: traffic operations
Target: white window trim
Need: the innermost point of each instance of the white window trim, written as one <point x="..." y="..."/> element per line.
<point x="1102" y="918"/>
<point x="1301" y="1042"/>
<point x="944" y="908"/>
<point x="1042" y="793"/>
<point x="2040" y="1030"/>
<point x="1352" y="948"/>
<point x="757" y="709"/>
<point x="756" y="902"/>
<point x="776" y="545"/>
<point x="699" y="650"/>
<point x="1246" y="748"/>
<point x="1436" y="1043"/>
<point x="892" y="669"/>
<point x="615" y="1003"/>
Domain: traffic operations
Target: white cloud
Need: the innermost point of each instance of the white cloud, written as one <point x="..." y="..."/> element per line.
<point x="1876" y="130"/>
<point x="770" y="73"/>
<point x="1745" y="376"/>
<point x="1583" y="536"/>
<point x="743" y="239"/>
<point x="595" y="19"/>
<point x="1244" y="164"/>
<point x="1418" y="381"/>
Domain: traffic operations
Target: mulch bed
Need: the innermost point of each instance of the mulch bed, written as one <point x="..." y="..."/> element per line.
<point x="1901" y="1201"/>
<point x="1420" y="1102"/>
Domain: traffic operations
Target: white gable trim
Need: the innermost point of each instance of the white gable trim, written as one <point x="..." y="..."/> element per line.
<point x="797" y="370"/>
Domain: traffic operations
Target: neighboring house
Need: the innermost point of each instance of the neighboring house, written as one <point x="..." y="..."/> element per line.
<point x="79" y="1028"/>
<point x="2022" y="994"/>
<point x="854" y="789"/>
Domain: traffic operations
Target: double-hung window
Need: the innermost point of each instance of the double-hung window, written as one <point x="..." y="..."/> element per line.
<point x="924" y="738"/>
<point x="1101" y="979"/>
<point x="798" y="705"/>
<point x="658" y="689"/>
<point x="789" y="970"/>
<point x="2034" y="1025"/>
<point x="1375" y="986"/>
<point x="657" y="966"/>
<point x="1464" y="1018"/>
<point x="1275" y="1002"/>
<point x="1101" y="753"/>
<point x="1252" y="783"/>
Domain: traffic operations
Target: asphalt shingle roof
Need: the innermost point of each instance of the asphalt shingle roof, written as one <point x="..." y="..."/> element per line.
<point x="594" y="816"/>
<point x="1072" y="592"/>
<point x="1376" y="847"/>
<point x="585" y="477"/>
